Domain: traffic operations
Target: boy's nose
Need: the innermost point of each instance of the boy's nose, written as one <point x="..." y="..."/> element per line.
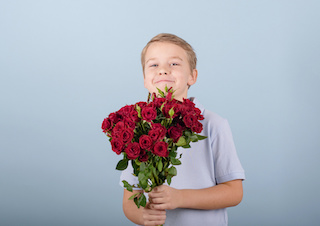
<point x="163" y="71"/>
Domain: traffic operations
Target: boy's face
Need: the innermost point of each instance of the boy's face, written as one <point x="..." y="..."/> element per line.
<point x="166" y="64"/>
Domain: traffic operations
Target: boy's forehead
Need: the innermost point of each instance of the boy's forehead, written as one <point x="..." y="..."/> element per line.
<point x="171" y="50"/>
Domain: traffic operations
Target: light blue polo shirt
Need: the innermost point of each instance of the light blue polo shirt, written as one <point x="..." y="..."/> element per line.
<point x="207" y="163"/>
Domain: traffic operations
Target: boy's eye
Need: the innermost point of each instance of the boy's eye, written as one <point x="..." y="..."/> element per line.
<point x="153" y="65"/>
<point x="174" y="64"/>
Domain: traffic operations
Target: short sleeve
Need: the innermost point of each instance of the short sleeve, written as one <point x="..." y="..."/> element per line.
<point x="128" y="176"/>
<point x="226" y="162"/>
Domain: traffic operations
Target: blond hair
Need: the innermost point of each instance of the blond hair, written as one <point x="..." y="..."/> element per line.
<point x="170" y="38"/>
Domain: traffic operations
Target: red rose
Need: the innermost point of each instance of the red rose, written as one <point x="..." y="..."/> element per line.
<point x="158" y="132"/>
<point x="157" y="102"/>
<point x="154" y="134"/>
<point x="134" y="116"/>
<point x="198" y="127"/>
<point x="106" y="125"/>
<point x="126" y="110"/>
<point x="171" y="105"/>
<point x="169" y="96"/>
<point x="184" y="109"/>
<point x="133" y="150"/>
<point x="142" y="104"/>
<point x="161" y="149"/>
<point x="190" y="120"/>
<point x="188" y="103"/>
<point x="148" y="114"/>
<point x="187" y="107"/>
<point x="145" y="142"/>
<point x="114" y="118"/>
<point x="175" y="133"/>
<point x="129" y="123"/>
<point x="180" y="125"/>
<point x="197" y="112"/>
<point x="143" y="156"/>
<point x="117" y="145"/>
<point x="118" y="129"/>
<point x="127" y="135"/>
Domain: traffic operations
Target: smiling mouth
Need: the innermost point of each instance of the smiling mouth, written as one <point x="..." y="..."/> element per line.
<point x="164" y="80"/>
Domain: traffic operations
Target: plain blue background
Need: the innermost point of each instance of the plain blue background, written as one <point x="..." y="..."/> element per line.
<point x="65" y="65"/>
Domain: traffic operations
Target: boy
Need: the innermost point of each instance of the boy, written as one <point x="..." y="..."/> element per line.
<point x="210" y="176"/>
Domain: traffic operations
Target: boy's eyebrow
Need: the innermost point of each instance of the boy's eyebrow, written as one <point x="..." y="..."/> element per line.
<point x="174" y="57"/>
<point x="150" y="59"/>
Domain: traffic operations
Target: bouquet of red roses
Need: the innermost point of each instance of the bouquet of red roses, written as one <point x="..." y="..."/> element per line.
<point x="148" y="134"/>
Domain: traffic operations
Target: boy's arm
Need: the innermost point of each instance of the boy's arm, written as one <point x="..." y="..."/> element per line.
<point x="220" y="196"/>
<point x="141" y="216"/>
<point x="130" y="209"/>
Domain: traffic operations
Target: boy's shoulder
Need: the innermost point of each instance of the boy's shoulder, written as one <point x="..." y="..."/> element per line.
<point x="211" y="119"/>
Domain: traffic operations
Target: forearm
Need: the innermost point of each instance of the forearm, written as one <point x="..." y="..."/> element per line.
<point x="220" y="196"/>
<point x="132" y="212"/>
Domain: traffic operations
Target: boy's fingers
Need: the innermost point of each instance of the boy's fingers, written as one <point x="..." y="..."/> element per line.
<point x="155" y="195"/>
<point x="159" y="207"/>
<point x="159" y="188"/>
<point x="157" y="212"/>
<point x="154" y="211"/>
<point x="154" y="219"/>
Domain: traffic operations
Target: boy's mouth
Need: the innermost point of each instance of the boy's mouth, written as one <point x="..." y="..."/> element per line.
<point x="163" y="80"/>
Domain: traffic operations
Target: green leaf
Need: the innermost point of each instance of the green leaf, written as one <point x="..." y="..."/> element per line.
<point x="135" y="167"/>
<point x="166" y="89"/>
<point x="172" y="153"/>
<point x="169" y="177"/>
<point x="160" y="165"/>
<point x="152" y="178"/>
<point x="162" y="106"/>
<point x="186" y="146"/>
<point x="164" y="122"/>
<point x="143" y="180"/>
<point x="175" y="161"/>
<point x="187" y="133"/>
<point x="194" y="138"/>
<point x="154" y="171"/>
<point x="142" y="166"/>
<point x="173" y="149"/>
<point x="122" y="164"/>
<point x="136" y="202"/>
<point x="134" y="195"/>
<point x="200" y="137"/>
<point x="171" y="112"/>
<point x="172" y="171"/>
<point x="181" y="142"/>
<point x="157" y="158"/>
<point x="137" y="162"/>
<point x="138" y="109"/>
<point x="165" y="165"/>
<point x="160" y="92"/>
<point x="127" y="185"/>
<point x="142" y="201"/>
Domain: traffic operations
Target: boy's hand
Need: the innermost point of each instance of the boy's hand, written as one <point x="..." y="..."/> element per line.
<point x="164" y="197"/>
<point x="153" y="217"/>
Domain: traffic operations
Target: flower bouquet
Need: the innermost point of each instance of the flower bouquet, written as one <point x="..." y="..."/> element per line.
<point x="148" y="134"/>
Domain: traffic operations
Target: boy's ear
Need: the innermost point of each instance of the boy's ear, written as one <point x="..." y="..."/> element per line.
<point x="193" y="77"/>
